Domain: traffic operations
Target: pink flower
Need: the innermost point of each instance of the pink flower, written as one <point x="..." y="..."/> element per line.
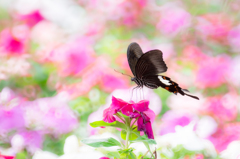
<point x="129" y="12"/>
<point x="32" y="18"/>
<point x="199" y="156"/>
<point x="209" y="75"/>
<point x="108" y="115"/>
<point x="11" y="44"/>
<point x="171" y="119"/>
<point x="180" y="19"/>
<point x="113" y="81"/>
<point x="73" y="58"/>
<point x="216" y="26"/>
<point x="138" y="110"/>
<point x="11" y="118"/>
<point x="33" y="140"/>
<point x="48" y="113"/>
<point x="104" y="158"/>
<point x="6" y="157"/>
<point x="221" y="108"/>
<point x="225" y="135"/>
<point x="234" y="38"/>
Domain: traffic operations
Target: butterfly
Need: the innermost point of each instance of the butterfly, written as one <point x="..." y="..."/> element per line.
<point x="146" y="68"/>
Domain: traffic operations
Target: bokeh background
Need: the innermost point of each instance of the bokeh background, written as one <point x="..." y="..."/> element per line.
<point x="57" y="61"/>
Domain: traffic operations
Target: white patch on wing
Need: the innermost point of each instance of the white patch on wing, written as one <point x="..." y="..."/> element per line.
<point x="164" y="81"/>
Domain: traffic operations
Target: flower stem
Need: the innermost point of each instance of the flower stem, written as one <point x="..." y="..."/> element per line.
<point x="127" y="138"/>
<point x="119" y="116"/>
<point x="128" y="123"/>
<point x="134" y="122"/>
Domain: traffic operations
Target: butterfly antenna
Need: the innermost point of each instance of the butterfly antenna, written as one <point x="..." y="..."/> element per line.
<point x="122" y="73"/>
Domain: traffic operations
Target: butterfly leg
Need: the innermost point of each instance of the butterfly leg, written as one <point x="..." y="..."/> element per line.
<point x="133" y="91"/>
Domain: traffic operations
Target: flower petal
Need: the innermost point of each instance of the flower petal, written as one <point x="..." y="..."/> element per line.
<point x="108" y="115"/>
<point x="140" y="123"/>
<point x="150" y="114"/>
<point x="118" y="103"/>
<point x="141" y="106"/>
<point x="127" y="110"/>
<point x="134" y="115"/>
<point x="148" y="130"/>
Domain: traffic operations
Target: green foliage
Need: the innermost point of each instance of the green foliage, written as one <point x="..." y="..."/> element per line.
<point x="107" y="142"/>
<point x="21" y="155"/>
<point x="127" y="153"/>
<point x="144" y="138"/>
<point x="54" y="145"/>
<point x="116" y="124"/>
<point x="133" y="134"/>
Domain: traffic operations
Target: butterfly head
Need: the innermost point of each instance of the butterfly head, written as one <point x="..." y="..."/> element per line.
<point x="133" y="79"/>
<point x="137" y="81"/>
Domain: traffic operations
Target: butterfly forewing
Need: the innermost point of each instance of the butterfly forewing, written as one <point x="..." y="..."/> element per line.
<point x="150" y="63"/>
<point x="134" y="52"/>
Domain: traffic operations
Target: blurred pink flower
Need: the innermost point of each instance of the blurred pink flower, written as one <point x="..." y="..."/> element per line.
<point x="171" y="119"/>
<point x="221" y="108"/>
<point x="129" y="12"/>
<point x="199" y="156"/>
<point x="234" y="38"/>
<point x="11" y="44"/>
<point x="225" y="135"/>
<point x="180" y="19"/>
<point x="6" y="157"/>
<point x="11" y="118"/>
<point x="194" y="54"/>
<point x="11" y="113"/>
<point x="212" y="72"/>
<point x="111" y="81"/>
<point x="33" y="140"/>
<point x="32" y="18"/>
<point x="104" y="158"/>
<point x="90" y="77"/>
<point x="73" y="58"/>
<point x="234" y="75"/>
<point x="51" y="115"/>
<point x="216" y="26"/>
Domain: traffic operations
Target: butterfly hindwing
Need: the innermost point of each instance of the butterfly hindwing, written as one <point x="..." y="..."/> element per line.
<point x="150" y="63"/>
<point x="134" y="52"/>
<point x="155" y="81"/>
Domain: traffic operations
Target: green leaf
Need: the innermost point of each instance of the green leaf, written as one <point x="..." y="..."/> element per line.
<point x="144" y="138"/>
<point x="107" y="142"/>
<point x="21" y="155"/>
<point x="132" y="156"/>
<point x="133" y="134"/>
<point x="113" y="154"/>
<point x="116" y="124"/>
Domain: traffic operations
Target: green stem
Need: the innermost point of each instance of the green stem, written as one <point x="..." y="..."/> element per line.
<point x="128" y="123"/>
<point x="119" y="116"/>
<point x="127" y="138"/>
<point x="134" y="122"/>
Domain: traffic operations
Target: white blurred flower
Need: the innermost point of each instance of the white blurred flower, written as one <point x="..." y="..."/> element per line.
<point x="72" y="150"/>
<point x="232" y="151"/>
<point x="71" y="145"/>
<point x="186" y="137"/>
<point x="206" y="126"/>
<point x="17" y="142"/>
<point x="190" y="105"/>
<point x="44" y="155"/>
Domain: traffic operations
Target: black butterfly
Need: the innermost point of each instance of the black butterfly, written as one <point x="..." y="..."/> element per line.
<point x="147" y="67"/>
